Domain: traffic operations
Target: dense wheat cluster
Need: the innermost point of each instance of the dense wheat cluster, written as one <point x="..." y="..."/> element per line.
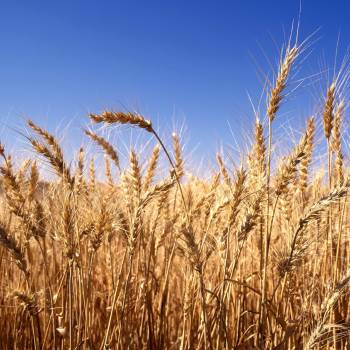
<point x="256" y="257"/>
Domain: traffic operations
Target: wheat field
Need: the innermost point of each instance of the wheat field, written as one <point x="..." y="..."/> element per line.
<point x="148" y="257"/>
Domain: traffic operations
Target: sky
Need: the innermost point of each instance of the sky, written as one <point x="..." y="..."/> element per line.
<point x="180" y="63"/>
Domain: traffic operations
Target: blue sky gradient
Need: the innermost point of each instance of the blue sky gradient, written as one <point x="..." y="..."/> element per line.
<point x="191" y="62"/>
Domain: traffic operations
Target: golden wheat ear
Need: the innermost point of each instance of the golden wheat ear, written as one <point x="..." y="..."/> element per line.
<point x="276" y="93"/>
<point x="151" y="169"/>
<point x="106" y="146"/>
<point x="306" y="160"/>
<point x="336" y="146"/>
<point x="179" y="163"/>
<point x="12" y="246"/>
<point x="328" y="113"/>
<point x="50" y="149"/>
<point x="122" y="118"/>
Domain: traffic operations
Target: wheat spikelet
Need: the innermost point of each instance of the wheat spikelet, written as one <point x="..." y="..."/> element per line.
<point x="50" y="139"/>
<point x="10" y="244"/>
<point x="257" y="155"/>
<point x="22" y="172"/>
<point x="239" y="187"/>
<point x="152" y="165"/>
<point x="328" y="112"/>
<point x="179" y="163"/>
<point x="223" y="170"/>
<point x="250" y="220"/>
<point x="33" y="181"/>
<point x="135" y="174"/>
<point x="219" y="208"/>
<point x="105" y="145"/>
<point x="192" y="249"/>
<point x="287" y="171"/>
<point x="286" y="198"/>
<point x="306" y="160"/>
<point x="276" y="96"/>
<point x="108" y="172"/>
<point x="14" y="196"/>
<point x="68" y="230"/>
<point x="55" y="159"/>
<point x="79" y="175"/>
<point x="92" y="176"/>
<point x="102" y="227"/>
<point x="336" y="142"/>
<point x="122" y="118"/>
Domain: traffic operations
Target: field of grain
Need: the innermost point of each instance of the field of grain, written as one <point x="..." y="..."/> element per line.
<point x="256" y="257"/>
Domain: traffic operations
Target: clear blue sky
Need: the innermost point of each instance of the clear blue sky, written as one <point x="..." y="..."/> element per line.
<point x="191" y="61"/>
